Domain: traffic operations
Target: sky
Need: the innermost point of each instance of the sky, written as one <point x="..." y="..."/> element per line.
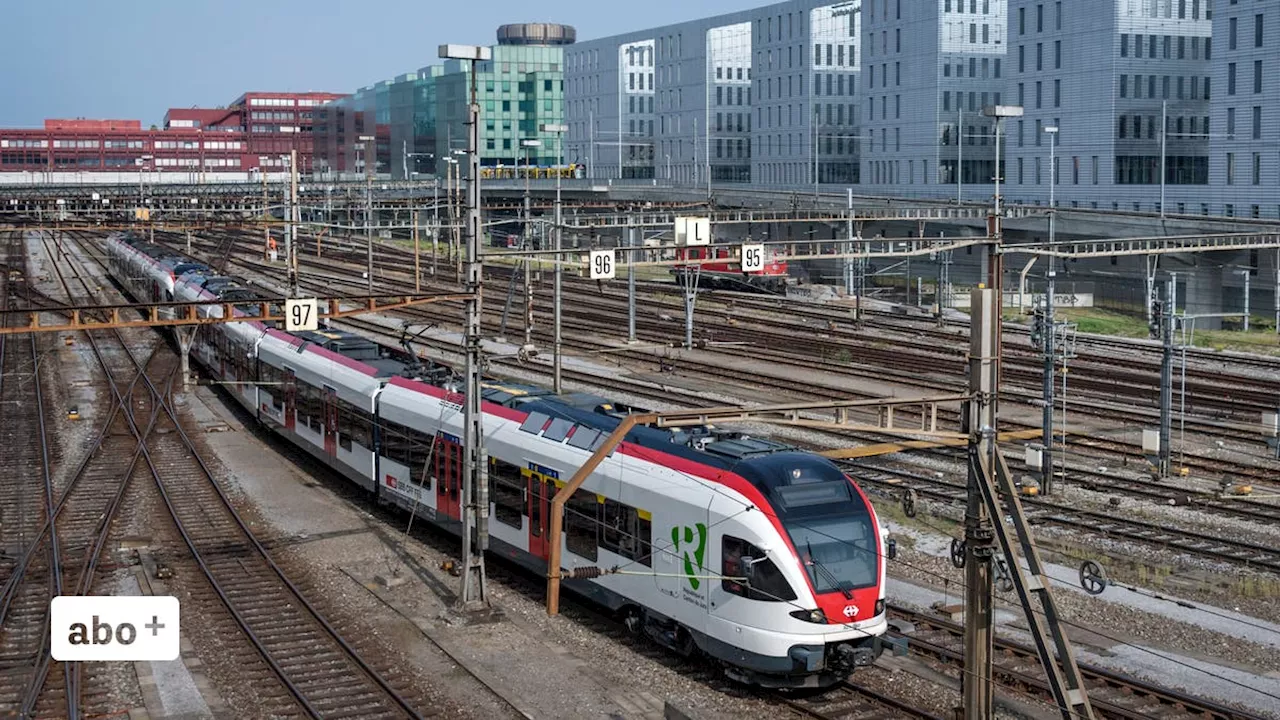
<point x="134" y="59"/>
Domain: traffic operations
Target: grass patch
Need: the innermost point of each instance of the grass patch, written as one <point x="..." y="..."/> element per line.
<point x="1105" y="322"/>
<point x="1261" y="338"/>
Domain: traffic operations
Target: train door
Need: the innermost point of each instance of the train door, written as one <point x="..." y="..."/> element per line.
<point x="330" y="421"/>
<point x="290" y="399"/>
<point x="542" y="489"/>
<point x="447" y="462"/>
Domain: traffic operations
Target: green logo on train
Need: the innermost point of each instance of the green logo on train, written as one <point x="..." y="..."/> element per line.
<point x="691" y="566"/>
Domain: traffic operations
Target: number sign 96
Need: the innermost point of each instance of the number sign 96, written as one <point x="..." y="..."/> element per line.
<point x="300" y="315"/>
<point x="752" y="258"/>
<point x="602" y="265"/>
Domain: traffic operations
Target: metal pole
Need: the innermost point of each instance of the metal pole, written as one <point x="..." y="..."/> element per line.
<point x="1166" y="380"/>
<point x="980" y="424"/>
<point x="295" y="216"/>
<point x="848" y="246"/>
<point x="435" y="220"/>
<point x="631" y="285"/>
<point x="557" y="380"/>
<point x="475" y="478"/>
<point x="417" y="255"/>
<point x="1049" y="352"/>
<point x="1164" y="131"/>
<point x="1182" y="410"/>
<point x="528" y="245"/>
<point x="959" y="157"/>
<point x="1245" y="273"/>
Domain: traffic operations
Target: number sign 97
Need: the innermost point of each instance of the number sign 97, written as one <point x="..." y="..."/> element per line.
<point x="752" y="258"/>
<point x="602" y="265"/>
<point x="300" y="315"/>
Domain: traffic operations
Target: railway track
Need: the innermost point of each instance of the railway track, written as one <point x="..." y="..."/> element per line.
<point x="1215" y="547"/>
<point x="304" y="665"/>
<point x="307" y="669"/>
<point x="915" y="356"/>
<point x="1051" y="512"/>
<point x="1016" y="666"/>
<point x="849" y="701"/>
<point x="25" y="493"/>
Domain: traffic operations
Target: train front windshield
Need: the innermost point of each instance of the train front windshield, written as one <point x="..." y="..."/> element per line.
<point x="840" y="552"/>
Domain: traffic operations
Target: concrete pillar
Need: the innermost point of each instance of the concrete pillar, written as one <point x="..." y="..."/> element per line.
<point x="1203" y="292"/>
<point x="185" y="335"/>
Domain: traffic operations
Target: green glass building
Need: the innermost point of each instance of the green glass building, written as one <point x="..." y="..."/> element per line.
<point x="417" y="119"/>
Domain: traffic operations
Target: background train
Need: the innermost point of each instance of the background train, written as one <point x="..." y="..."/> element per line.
<point x="766" y="558"/>
<point x="726" y="271"/>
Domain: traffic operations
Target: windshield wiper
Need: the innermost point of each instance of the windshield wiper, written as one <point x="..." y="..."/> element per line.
<point x="826" y="573"/>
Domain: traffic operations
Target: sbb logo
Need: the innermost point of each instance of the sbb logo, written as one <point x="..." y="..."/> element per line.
<point x="114" y="628"/>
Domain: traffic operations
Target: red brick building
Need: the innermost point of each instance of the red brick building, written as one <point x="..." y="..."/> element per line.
<point x="257" y="130"/>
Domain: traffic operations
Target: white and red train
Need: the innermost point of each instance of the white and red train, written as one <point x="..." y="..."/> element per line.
<point x="766" y="558"/>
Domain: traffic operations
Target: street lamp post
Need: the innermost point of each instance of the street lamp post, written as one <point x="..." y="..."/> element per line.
<point x="556" y="381"/>
<point x="475" y="477"/>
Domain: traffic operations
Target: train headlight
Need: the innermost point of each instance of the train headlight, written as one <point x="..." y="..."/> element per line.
<point x="879" y="607"/>
<point x="813" y="616"/>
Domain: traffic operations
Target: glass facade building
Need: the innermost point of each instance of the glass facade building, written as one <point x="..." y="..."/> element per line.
<point x="768" y="95"/>
<point x="418" y="118"/>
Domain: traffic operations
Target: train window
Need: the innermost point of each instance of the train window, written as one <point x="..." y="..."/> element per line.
<point x="353" y="426"/>
<point x="769" y="584"/>
<point x="395" y="444"/>
<point x="506" y="485"/>
<point x="422" y="448"/>
<point x="307" y="408"/>
<point x="625" y="532"/>
<point x="581" y="523"/>
<point x="272" y="380"/>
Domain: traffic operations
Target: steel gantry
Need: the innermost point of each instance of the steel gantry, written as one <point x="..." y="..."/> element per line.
<point x="177" y="314"/>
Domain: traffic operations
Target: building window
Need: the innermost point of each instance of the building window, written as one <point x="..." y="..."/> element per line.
<point x="1057" y="93"/>
<point x="1231" y="34"/>
<point x="1257" y="31"/>
<point x="1231" y="79"/>
<point x="1231" y="168"/>
<point x="1057" y="54"/>
<point x="1257" y="77"/>
<point x="1257" y="122"/>
<point x="1022" y="21"/>
<point x="1124" y="45"/>
<point x="1257" y="168"/>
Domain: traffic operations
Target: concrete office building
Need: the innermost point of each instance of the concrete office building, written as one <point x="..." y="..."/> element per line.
<point x="1105" y="73"/>
<point x="929" y="69"/>
<point x="767" y="96"/>
<point x="1244" y="157"/>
